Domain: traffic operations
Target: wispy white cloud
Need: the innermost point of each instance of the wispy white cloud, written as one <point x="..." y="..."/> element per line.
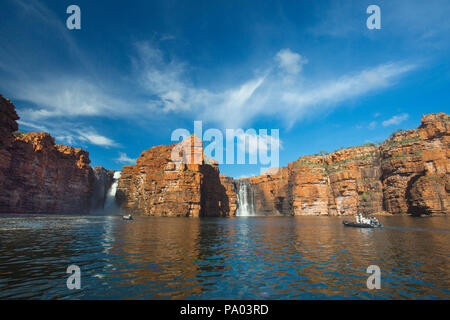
<point x="89" y="135"/>
<point x="29" y="125"/>
<point x="70" y="134"/>
<point x="64" y="97"/>
<point x="372" y="125"/>
<point x="262" y="95"/>
<point x="325" y="94"/>
<point x="291" y="62"/>
<point x="166" y="81"/>
<point x="396" y="119"/>
<point x="168" y="88"/>
<point x="39" y="12"/>
<point x="252" y="143"/>
<point x="123" y="158"/>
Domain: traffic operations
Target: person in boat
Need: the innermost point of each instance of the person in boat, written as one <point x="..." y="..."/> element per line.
<point x="365" y="220"/>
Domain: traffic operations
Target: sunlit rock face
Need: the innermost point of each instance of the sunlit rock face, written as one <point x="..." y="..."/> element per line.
<point x="159" y="185"/>
<point x="39" y="176"/>
<point x="230" y="199"/>
<point x="408" y="173"/>
<point x="271" y="192"/>
<point x="415" y="168"/>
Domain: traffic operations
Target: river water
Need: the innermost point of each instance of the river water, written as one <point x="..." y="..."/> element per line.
<point x="223" y="258"/>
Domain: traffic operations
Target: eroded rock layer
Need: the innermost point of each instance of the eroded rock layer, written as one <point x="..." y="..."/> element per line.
<point x="408" y="173"/>
<point x="37" y="175"/>
<point x="43" y="177"/>
<point x="164" y="183"/>
<point x="415" y="168"/>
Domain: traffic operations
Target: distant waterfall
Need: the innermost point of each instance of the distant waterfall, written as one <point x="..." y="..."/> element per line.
<point x="245" y="200"/>
<point x="110" y="202"/>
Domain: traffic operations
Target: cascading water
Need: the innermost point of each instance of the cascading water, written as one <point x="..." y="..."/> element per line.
<point x="110" y="202"/>
<point x="245" y="200"/>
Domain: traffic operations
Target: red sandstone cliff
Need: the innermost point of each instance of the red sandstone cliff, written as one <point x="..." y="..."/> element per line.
<point x="408" y="173"/>
<point x="415" y="168"/>
<point x="159" y="185"/>
<point x="37" y="175"/>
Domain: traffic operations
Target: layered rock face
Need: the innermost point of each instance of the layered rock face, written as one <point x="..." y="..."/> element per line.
<point x="415" y="168"/>
<point x="271" y="192"/>
<point x="44" y="177"/>
<point x="37" y="175"/>
<point x="8" y="125"/>
<point x="408" y="173"/>
<point x="173" y="180"/>
<point x="230" y="186"/>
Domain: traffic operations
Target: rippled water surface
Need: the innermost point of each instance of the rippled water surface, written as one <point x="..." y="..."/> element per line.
<point x="223" y="258"/>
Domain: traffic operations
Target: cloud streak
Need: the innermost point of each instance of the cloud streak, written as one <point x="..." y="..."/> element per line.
<point x="161" y="84"/>
<point x="290" y="61"/>
<point x="395" y="120"/>
<point x="123" y="158"/>
<point x="264" y="95"/>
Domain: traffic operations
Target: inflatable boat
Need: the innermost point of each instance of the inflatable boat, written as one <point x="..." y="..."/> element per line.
<point x="360" y="225"/>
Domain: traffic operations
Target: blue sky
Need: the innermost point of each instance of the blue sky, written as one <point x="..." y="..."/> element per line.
<point x="138" y="70"/>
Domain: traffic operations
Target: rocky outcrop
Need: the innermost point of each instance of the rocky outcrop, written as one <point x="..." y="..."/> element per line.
<point x="8" y="122"/>
<point x="8" y="126"/>
<point x="408" y="173"/>
<point x="309" y="187"/>
<point x="415" y="167"/>
<point x="173" y="180"/>
<point x="44" y="177"/>
<point x="429" y="194"/>
<point x="231" y="205"/>
<point x="37" y="175"/>
<point x="271" y="192"/>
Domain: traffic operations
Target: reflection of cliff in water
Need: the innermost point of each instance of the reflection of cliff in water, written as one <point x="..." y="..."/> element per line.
<point x="160" y="253"/>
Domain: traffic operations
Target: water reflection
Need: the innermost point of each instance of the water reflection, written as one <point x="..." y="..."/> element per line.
<point x="222" y="258"/>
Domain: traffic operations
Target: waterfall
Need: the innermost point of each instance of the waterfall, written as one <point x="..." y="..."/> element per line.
<point x="110" y="202"/>
<point x="245" y="200"/>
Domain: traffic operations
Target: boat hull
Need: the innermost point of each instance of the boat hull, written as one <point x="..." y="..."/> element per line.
<point x="359" y="225"/>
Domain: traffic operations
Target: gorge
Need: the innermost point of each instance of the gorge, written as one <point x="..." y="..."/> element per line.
<point x="406" y="174"/>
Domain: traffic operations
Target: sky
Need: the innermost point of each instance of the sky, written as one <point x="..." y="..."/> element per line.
<point x="138" y="70"/>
